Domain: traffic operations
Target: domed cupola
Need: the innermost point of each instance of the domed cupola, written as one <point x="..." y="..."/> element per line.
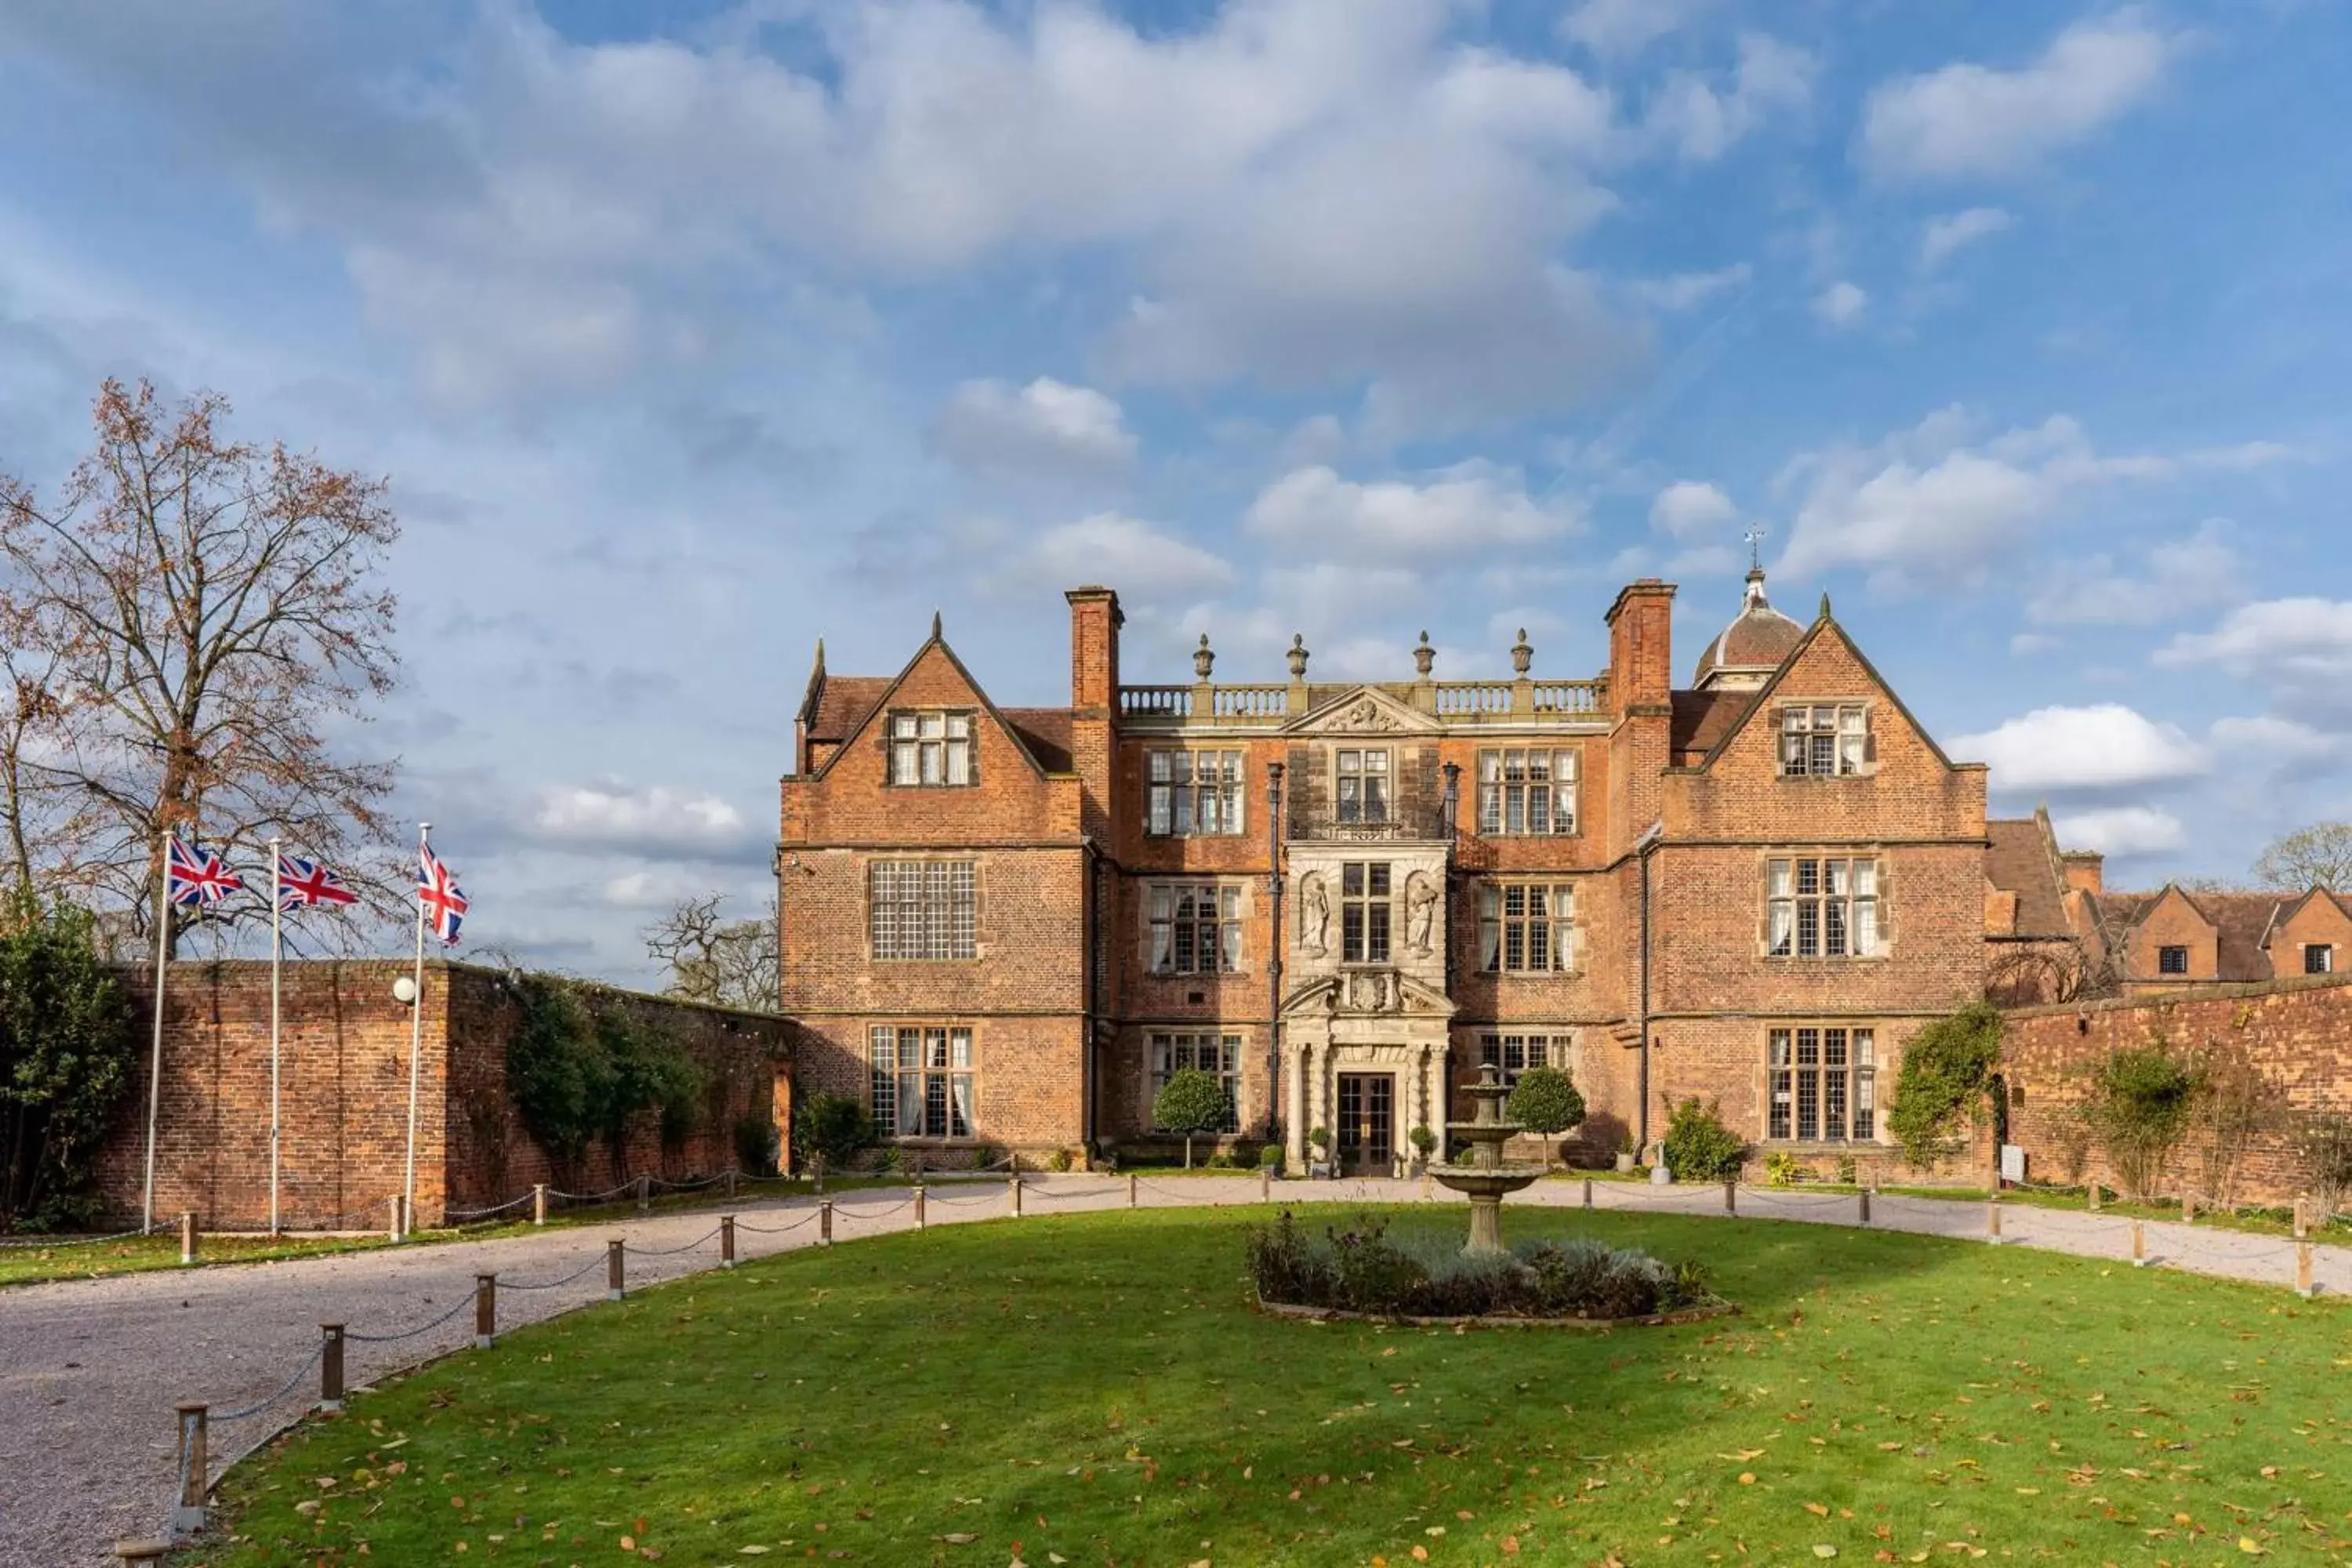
<point x="1751" y="647"/>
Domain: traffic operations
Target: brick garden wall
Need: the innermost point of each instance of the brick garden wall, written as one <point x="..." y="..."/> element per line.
<point x="2298" y="1030"/>
<point x="344" y="1047"/>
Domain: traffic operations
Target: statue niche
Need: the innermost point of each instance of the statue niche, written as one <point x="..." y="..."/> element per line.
<point x="1314" y="914"/>
<point x="1420" y="898"/>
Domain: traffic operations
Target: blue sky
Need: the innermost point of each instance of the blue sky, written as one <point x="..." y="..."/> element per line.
<point x="689" y="333"/>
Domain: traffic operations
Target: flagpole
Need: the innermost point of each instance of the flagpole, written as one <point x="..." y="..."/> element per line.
<point x="275" y="911"/>
<point x="415" y="1036"/>
<point x="155" y="1052"/>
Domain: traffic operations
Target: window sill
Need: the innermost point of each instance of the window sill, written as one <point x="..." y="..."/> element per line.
<point x="1825" y="958"/>
<point x="1822" y="1146"/>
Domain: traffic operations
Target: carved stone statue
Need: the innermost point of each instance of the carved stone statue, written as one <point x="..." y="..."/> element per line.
<point x="1419" y="911"/>
<point x="1314" y="914"/>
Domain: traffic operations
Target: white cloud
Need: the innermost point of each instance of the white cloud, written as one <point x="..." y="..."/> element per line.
<point x="1954" y="231"/>
<point x="1970" y="121"/>
<point x="2183" y="576"/>
<point x="1688" y="507"/>
<point x="1145" y="564"/>
<point x="1618" y="28"/>
<point x="2122" y="830"/>
<point x="1471" y="506"/>
<point x="1047" y="429"/>
<point x="1688" y="290"/>
<point x="2291" y="747"/>
<point x="1926" y="501"/>
<point x="1841" y="304"/>
<point x="1701" y="120"/>
<point x="2105" y="746"/>
<point x="655" y="819"/>
<point x="2300" y="648"/>
<point x="2024" y="644"/>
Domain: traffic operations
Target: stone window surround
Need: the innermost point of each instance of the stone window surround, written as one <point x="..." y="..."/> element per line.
<point x="1564" y="931"/>
<point x="1228" y="780"/>
<point x="1238" y="889"/>
<point x="1866" y="766"/>
<point x="957" y="1043"/>
<point x="1560" y="785"/>
<point x="2172" y="958"/>
<point x="1366" y="774"/>
<point x="1882" y="896"/>
<point x="1554" y="1047"/>
<point x="2319" y="958"/>
<point x="967" y="927"/>
<point x="1861" y="1080"/>
<point x="1233" y="1045"/>
<point x="957" y="741"/>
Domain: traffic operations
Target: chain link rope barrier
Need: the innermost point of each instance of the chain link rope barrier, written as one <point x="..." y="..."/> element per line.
<point x="745" y="1225"/>
<point x="593" y="1264"/>
<point x="464" y="1303"/>
<point x="283" y="1390"/>
<point x="675" y="1251"/>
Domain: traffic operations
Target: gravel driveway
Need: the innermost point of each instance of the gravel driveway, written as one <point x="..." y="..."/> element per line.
<point x="90" y="1369"/>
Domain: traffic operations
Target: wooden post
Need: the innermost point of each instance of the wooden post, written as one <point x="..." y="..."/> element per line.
<point x="615" y="1287"/>
<point x="2301" y="1226"/>
<point x="1013" y="1190"/>
<point x="1731" y="1197"/>
<point x="1130" y="1189"/>
<point x="1864" y="1196"/>
<point x="1265" y="1185"/>
<point x="1992" y="1220"/>
<point x="2140" y="1245"/>
<point x="824" y="1222"/>
<point x="391" y="1230"/>
<point x="130" y="1553"/>
<point x="486" y="1310"/>
<point x="644" y="1194"/>
<point x="187" y="1240"/>
<point x="920" y="1223"/>
<point x="727" y="1241"/>
<point x="2303" y="1286"/>
<point x="2097" y="1197"/>
<point x="538" y="1202"/>
<point x="816" y="1168"/>
<point x="731" y="1183"/>
<point x="1588" y="1192"/>
<point x="330" y="1367"/>
<point x="2188" y="1208"/>
<point x="188" y="1507"/>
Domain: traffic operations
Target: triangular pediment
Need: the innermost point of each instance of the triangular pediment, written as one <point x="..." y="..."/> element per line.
<point x="1369" y="993"/>
<point x="1366" y="710"/>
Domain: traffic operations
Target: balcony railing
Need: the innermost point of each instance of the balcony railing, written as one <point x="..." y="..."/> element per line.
<point x="1395" y="827"/>
<point x="1462" y="703"/>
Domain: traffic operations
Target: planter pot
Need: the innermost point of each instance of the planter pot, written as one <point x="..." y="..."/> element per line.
<point x="1660" y="1176"/>
<point x="1624" y="1164"/>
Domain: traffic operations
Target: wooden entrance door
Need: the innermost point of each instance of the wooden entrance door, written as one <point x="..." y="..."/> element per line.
<point x="1366" y="1122"/>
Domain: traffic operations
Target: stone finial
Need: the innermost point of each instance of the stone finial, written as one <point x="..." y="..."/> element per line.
<point x="1299" y="656"/>
<point x="1423" y="655"/>
<point x="1522" y="654"/>
<point x="1204" y="659"/>
<point x="820" y="656"/>
<point x="1825" y="604"/>
<point x="935" y="626"/>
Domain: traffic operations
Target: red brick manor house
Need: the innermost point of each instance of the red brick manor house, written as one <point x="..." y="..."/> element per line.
<point x="1005" y="926"/>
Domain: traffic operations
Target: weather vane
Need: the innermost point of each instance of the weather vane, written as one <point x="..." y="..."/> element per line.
<point x="1755" y="537"/>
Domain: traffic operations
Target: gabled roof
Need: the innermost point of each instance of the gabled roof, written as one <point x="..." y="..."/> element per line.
<point x="2241" y="923"/>
<point x="2021" y="858"/>
<point x="1046" y="733"/>
<point x="843" y="703"/>
<point x="858" y="695"/>
<point x="1763" y="695"/>
<point x="2290" y="907"/>
<point x="1700" y="720"/>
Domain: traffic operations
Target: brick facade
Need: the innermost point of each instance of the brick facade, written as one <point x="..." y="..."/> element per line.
<point x="2298" y="1031"/>
<point x="1666" y="988"/>
<point x="343" y="1097"/>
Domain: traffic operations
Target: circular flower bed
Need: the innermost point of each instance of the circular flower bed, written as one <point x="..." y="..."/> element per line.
<point x="1363" y="1271"/>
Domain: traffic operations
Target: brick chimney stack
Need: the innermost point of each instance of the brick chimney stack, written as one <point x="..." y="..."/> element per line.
<point x="1095" y="620"/>
<point x="1642" y="644"/>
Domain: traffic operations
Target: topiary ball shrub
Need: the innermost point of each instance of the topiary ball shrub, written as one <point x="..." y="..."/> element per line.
<point x="1699" y="1147"/>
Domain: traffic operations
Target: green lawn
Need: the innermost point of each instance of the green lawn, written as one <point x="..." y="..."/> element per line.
<point x="1093" y="1389"/>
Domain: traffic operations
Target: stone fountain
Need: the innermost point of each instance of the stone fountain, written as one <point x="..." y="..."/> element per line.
<point x="1485" y="1178"/>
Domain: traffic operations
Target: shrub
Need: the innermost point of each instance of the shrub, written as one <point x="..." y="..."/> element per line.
<point x="2236" y="1106"/>
<point x="834" y="1126"/>
<point x="1365" y="1268"/>
<point x="1698" y="1146"/>
<point x="1269" y="1156"/>
<point x="1218" y="1160"/>
<point x="756" y="1143"/>
<point x="581" y="1065"/>
<point x="984" y="1155"/>
<point x="1423" y="1141"/>
<point x="65" y="1052"/>
<point x="2070" y="1135"/>
<point x="1059" y="1160"/>
<point x="1783" y="1169"/>
<point x="1544" y="1101"/>
<point x="1947" y="1068"/>
<point x="2323" y="1144"/>
<point x="2139" y="1102"/>
<point x="1191" y="1102"/>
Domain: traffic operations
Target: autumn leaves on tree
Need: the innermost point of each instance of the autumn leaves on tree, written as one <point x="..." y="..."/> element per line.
<point x="190" y="626"/>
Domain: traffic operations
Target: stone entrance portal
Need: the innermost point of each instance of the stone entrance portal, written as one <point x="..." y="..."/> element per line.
<point x="1367" y="1129"/>
<point x="1364" y="1057"/>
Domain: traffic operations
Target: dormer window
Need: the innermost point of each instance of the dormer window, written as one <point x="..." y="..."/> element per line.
<point x="931" y="747"/>
<point x="1822" y="740"/>
<point x="2319" y="958"/>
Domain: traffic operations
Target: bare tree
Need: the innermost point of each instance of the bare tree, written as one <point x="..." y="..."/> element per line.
<point x="731" y="963"/>
<point x="215" y="619"/>
<point x="2319" y="856"/>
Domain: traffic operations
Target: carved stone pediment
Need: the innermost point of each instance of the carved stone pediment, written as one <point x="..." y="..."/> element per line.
<point x="1366" y="710"/>
<point x="1370" y="991"/>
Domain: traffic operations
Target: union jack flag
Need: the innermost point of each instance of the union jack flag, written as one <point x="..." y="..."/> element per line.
<point x="437" y="892"/>
<point x="193" y="877"/>
<point x="302" y="883"/>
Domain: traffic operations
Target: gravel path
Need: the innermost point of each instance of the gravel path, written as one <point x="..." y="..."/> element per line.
<point x="90" y="1369"/>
